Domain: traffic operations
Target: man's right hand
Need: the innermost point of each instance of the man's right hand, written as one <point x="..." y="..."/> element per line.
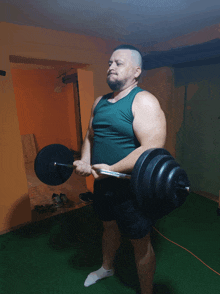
<point x="82" y="168"/>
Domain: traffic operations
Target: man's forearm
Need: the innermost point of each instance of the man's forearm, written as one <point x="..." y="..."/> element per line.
<point x="86" y="150"/>
<point x="126" y="165"/>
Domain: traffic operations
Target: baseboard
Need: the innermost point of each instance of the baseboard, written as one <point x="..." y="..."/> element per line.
<point x="208" y="195"/>
<point x="12" y="229"/>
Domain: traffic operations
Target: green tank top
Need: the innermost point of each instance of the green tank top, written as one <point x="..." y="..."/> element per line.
<point x="112" y="124"/>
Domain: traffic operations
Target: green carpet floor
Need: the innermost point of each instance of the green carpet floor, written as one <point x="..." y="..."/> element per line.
<point x="30" y="264"/>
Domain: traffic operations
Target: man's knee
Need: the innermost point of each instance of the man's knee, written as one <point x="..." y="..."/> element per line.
<point x="110" y="225"/>
<point x="145" y="240"/>
<point x="143" y="245"/>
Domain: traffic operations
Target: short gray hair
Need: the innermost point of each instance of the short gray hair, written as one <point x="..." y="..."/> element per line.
<point x="136" y="54"/>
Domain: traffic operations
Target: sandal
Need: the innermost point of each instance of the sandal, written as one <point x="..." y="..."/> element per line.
<point x="57" y="200"/>
<point x="64" y="198"/>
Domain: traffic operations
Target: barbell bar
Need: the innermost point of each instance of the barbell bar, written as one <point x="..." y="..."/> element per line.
<point x="117" y="174"/>
<point x="100" y="171"/>
<point x="62" y="164"/>
<point x="157" y="180"/>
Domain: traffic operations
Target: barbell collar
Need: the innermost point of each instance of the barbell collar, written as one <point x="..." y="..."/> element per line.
<point x="187" y="189"/>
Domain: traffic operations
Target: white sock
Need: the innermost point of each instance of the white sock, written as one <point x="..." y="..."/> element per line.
<point x="97" y="275"/>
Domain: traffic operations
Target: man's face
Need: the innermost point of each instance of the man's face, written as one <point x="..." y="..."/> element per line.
<point x="121" y="71"/>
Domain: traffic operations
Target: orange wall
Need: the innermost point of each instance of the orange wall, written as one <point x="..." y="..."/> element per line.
<point x="14" y="199"/>
<point x="43" y="112"/>
<point x="86" y="89"/>
<point x="38" y="43"/>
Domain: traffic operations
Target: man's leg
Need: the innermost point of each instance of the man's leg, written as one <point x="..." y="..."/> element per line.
<point x="145" y="263"/>
<point x="110" y="244"/>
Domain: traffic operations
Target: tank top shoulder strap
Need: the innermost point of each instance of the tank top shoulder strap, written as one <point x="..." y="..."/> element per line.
<point x="134" y="92"/>
<point x="102" y="101"/>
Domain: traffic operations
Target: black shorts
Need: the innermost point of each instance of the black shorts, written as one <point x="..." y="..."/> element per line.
<point x="115" y="200"/>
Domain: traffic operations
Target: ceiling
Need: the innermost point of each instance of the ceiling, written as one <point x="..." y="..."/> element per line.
<point x="138" y="22"/>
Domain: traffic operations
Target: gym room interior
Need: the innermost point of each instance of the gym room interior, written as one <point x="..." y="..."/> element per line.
<point x="38" y="108"/>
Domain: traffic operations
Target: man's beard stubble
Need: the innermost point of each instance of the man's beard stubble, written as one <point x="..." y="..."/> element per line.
<point x="115" y="85"/>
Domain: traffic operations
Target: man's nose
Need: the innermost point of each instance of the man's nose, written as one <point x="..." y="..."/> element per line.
<point x="111" y="67"/>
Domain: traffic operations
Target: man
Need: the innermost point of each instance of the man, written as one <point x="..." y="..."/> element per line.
<point x="123" y="125"/>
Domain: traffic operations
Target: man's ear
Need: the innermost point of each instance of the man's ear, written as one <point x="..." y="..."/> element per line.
<point x="137" y="73"/>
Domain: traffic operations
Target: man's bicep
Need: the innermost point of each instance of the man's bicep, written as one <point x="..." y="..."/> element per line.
<point x="150" y="124"/>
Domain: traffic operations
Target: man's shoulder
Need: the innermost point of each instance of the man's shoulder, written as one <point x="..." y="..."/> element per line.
<point x="97" y="100"/>
<point x="144" y="97"/>
<point x="106" y="96"/>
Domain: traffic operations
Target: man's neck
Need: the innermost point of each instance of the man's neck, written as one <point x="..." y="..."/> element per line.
<point x="121" y="94"/>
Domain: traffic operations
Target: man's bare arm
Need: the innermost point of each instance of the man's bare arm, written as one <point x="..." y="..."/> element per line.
<point x="149" y="126"/>
<point x="87" y="144"/>
<point x="83" y="166"/>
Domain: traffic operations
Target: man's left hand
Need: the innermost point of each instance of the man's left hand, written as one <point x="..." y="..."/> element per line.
<point x="100" y="166"/>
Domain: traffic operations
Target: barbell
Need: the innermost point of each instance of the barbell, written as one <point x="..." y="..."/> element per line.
<point x="159" y="184"/>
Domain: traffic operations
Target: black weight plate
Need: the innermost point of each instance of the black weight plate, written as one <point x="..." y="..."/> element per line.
<point x="140" y="167"/>
<point x="167" y="191"/>
<point x="147" y="187"/>
<point x="44" y="164"/>
<point x="161" y="178"/>
<point x="176" y="193"/>
<point x="147" y="191"/>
